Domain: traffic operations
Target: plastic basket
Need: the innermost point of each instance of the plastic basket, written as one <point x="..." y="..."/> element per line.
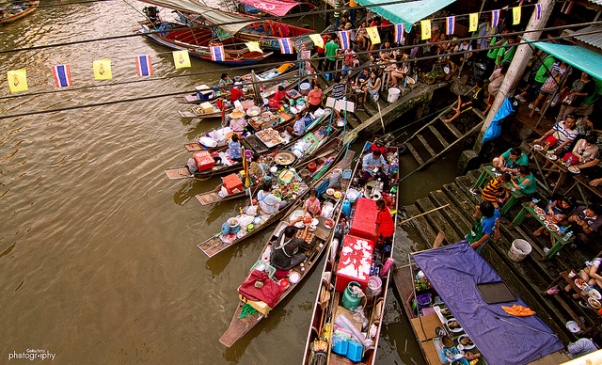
<point x="267" y="268"/>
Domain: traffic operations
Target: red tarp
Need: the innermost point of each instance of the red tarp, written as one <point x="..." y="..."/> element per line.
<point x="274" y="7"/>
<point x="269" y="293"/>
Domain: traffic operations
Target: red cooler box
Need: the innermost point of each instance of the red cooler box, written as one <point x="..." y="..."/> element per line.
<point x="363" y="224"/>
<point x="203" y="160"/>
<point x="232" y="183"/>
<point x="354" y="263"/>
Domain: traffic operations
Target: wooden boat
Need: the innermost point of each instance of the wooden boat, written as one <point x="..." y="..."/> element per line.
<point x="241" y="324"/>
<point x="8" y="16"/>
<point x="198" y="111"/>
<point x="221" y="242"/>
<point x="329" y="302"/>
<point x="333" y="144"/>
<point x="197" y="42"/>
<point x="251" y="142"/>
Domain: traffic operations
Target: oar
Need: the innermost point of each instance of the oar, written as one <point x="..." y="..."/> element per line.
<point x="381" y="116"/>
<point x="421" y="214"/>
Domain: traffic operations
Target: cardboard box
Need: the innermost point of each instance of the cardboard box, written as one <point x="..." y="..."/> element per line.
<point x="364" y="220"/>
<point x="232" y="183"/>
<point x="207" y="107"/>
<point x="203" y="160"/>
<point x="354" y="263"/>
<point x="204" y="92"/>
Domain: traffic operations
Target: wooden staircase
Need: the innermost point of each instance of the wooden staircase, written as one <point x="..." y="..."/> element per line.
<point x="436" y="138"/>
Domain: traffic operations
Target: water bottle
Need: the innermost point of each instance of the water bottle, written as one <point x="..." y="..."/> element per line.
<point x="568" y="236"/>
<point x="569" y="162"/>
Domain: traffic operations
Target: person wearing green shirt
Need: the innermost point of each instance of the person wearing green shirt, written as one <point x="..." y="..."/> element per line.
<point x="510" y="160"/>
<point x="541" y="76"/>
<point x="506" y="53"/>
<point x="331" y="48"/>
<point x="525" y="181"/>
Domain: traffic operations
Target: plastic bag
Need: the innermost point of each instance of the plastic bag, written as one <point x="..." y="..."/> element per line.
<point x="495" y="129"/>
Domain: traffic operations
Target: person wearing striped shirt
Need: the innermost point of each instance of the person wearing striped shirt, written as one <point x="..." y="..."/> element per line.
<point x="494" y="191"/>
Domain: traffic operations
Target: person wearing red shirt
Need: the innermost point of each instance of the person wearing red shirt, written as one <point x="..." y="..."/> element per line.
<point x="235" y="93"/>
<point x="315" y="98"/>
<point x="378" y="145"/>
<point x="385" y="228"/>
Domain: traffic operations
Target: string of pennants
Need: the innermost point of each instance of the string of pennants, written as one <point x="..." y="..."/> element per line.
<point x="17" y="79"/>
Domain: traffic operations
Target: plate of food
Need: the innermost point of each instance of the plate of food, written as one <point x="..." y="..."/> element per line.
<point x="539" y="211"/>
<point x="552" y="157"/>
<point x="594" y="294"/>
<point x="580" y="283"/>
<point x="552" y="227"/>
<point x="454" y="325"/>
<point x="574" y="169"/>
<point x="595" y="303"/>
<point x="466" y="342"/>
<point x="446" y="312"/>
<point x="542" y="217"/>
<point x="329" y="223"/>
<point x="330" y="191"/>
<point x="538" y="147"/>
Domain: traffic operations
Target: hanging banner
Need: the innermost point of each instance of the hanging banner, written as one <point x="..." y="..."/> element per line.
<point x="217" y="53"/>
<point x="102" y="69"/>
<point x="317" y="39"/>
<point x="181" y="59"/>
<point x="516" y="15"/>
<point x="425" y="29"/>
<point x="344" y="39"/>
<point x="253" y="47"/>
<point x="473" y="22"/>
<point x="62" y="76"/>
<point x="399" y="33"/>
<point x="17" y="80"/>
<point x="286" y="46"/>
<point x="495" y="18"/>
<point x="144" y="65"/>
<point x="450" y="25"/>
<point x="373" y="34"/>
<point x="538" y="11"/>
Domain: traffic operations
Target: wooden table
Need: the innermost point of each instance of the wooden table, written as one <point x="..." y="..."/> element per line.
<point x="564" y="276"/>
<point x="558" y="241"/>
<point x="514" y="195"/>
<point x="559" y="166"/>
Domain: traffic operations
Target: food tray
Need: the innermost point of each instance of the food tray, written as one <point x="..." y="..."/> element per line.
<point x="253" y="143"/>
<point x="496" y="292"/>
<point x="269" y="137"/>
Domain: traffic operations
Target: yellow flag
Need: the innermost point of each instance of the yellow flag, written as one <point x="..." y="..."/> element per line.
<point x="373" y="34"/>
<point x="317" y="39"/>
<point x="17" y="80"/>
<point x="181" y="59"/>
<point x="516" y="15"/>
<point x="102" y="69"/>
<point x="473" y="20"/>
<point x="254" y="47"/>
<point x="425" y="29"/>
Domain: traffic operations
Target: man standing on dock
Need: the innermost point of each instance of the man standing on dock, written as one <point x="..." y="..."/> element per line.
<point x="487" y="224"/>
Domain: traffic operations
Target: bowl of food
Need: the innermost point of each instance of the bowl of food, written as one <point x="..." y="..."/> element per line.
<point x="595" y="303"/>
<point x="338" y="195"/>
<point x="539" y="211"/>
<point x="552" y="227"/>
<point x="538" y="147"/>
<point x="574" y="169"/>
<point x="454" y="325"/>
<point x="307" y="220"/>
<point x="552" y="157"/>
<point x="330" y="191"/>
<point x="329" y="223"/>
<point x="593" y="293"/>
<point x="580" y="283"/>
<point x="466" y="342"/>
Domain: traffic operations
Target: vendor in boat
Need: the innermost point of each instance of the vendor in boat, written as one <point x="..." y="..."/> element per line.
<point x="225" y="83"/>
<point x="371" y="163"/>
<point x="267" y="201"/>
<point x="238" y="122"/>
<point x="298" y="128"/>
<point x="385" y="228"/>
<point x="312" y="204"/>
<point x="285" y="251"/>
<point x="279" y="98"/>
<point x="236" y="93"/>
<point x="234" y="151"/>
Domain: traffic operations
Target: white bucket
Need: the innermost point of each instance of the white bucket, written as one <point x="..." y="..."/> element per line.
<point x="393" y="94"/>
<point x="519" y="250"/>
<point x="304" y="88"/>
<point x="374" y="286"/>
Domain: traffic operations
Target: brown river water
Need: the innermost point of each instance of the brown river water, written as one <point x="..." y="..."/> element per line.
<point x="97" y="247"/>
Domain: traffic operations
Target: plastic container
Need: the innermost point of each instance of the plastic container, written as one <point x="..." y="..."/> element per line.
<point x="375" y="285"/>
<point x="350" y="300"/>
<point x="347" y="208"/>
<point x="232" y="183"/>
<point x="234" y="225"/>
<point x="354" y="351"/>
<point x="340" y="345"/>
<point x="393" y="94"/>
<point x="519" y="250"/>
<point x="304" y="88"/>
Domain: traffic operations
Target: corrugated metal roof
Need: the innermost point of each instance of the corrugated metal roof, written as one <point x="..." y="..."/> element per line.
<point x="594" y="38"/>
<point x="599" y="2"/>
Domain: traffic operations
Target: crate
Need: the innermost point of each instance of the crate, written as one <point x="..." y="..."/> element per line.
<point x="267" y="268"/>
<point x="232" y="183"/>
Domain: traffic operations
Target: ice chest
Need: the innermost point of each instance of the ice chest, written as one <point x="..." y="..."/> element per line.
<point x="232" y="183"/>
<point x="354" y="351"/>
<point x="203" y="160"/>
<point x="354" y="263"/>
<point x="207" y="107"/>
<point x="363" y="224"/>
<point x="204" y="92"/>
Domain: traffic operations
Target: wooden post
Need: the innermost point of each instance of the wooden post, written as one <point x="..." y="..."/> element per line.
<point x="518" y="65"/>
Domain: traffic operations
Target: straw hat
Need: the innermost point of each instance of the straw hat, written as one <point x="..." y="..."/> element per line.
<point x="237" y="114"/>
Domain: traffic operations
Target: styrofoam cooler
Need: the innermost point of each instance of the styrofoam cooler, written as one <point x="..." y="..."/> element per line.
<point x="232" y="183"/>
<point x="364" y="223"/>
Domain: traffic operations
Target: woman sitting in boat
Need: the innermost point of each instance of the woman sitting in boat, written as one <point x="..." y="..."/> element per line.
<point x="238" y="122"/>
<point x="225" y="83"/>
<point x="312" y="204"/>
<point x="279" y="98"/>
<point x="234" y="152"/>
<point x="268" y="202"/>
<point x="285" y="251"/>
<point x="298" y="128"/>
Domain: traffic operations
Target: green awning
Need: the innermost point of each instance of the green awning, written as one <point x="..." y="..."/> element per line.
<point x="406" y="13"/>
<point x="579" y="57"/>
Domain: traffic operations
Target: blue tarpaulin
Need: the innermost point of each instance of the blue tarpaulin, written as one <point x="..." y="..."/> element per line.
<point x="495" y="129"/>
<point x="454" y="271"/>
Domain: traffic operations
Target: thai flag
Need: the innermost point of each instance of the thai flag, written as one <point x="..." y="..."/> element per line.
<point x="144" y="65"/>
<point x="217" y="53"/>
<point x="450" y="24"/>
<point x="62" y="75"/>
<point x="566" y="7"/>
<point x="286" y="46"/>
<point x="399" y="33"/>
<point x="345" y="39"/>
<point x="495" y="18"/>
<point x="537" y="11"/>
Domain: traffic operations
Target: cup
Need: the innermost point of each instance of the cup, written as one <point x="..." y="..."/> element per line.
<point x="572" y="274"/>
<point x="534" y="200"/>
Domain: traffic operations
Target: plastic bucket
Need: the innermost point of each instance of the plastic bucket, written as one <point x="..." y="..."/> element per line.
<point x="375" y="285"/>
<point x="350" y="300"/>
<point x="393" y="94"/>
<point x="519" y="250"/>
<point x="304" y="88"/>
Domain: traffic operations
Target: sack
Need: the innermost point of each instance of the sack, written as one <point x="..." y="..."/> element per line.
<point x="568" y="155"/>
<point x="550" y="86"/>
<point x="568" y="100"/>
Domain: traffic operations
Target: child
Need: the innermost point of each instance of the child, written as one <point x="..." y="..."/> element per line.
<point x="495" y="192"/>
<point x="234" y="152"/>
<point x="312" y="205"/>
